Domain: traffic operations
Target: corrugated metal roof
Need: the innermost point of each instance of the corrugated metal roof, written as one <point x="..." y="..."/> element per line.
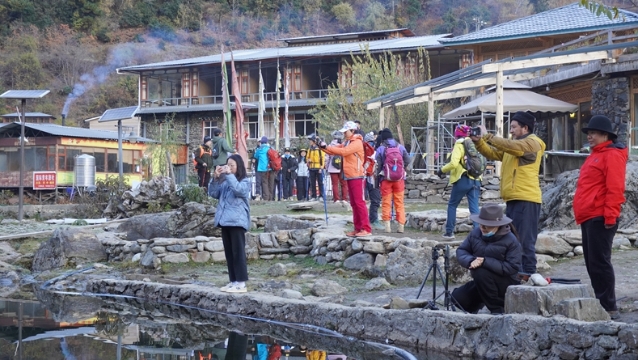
<point x="29" y="114"/>
<point x="563" y="20"/>
<point x="24" y="94"/>
<point x="405" y="43"/>
<point x="69" y="131"/>
<point x="118" y="114"/>
<point x="405" y="31"/>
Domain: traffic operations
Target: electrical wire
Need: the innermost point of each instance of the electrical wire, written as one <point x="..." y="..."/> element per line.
<point x="301" y="327"/>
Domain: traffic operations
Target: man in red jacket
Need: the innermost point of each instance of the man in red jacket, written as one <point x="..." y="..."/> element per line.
<point x="599" y="195"/>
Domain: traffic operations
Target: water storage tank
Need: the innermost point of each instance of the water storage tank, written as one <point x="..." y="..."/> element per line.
<point x="84" y="170"/>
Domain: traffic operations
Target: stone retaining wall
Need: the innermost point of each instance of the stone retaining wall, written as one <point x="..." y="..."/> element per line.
<point x="494" y="337"/>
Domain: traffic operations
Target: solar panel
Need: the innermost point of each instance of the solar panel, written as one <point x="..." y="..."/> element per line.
<point x="24" y="94"/>
<point x="118" y="114"/>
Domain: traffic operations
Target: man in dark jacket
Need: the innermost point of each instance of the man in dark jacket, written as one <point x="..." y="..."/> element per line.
<point x="203" y="157"/>
<point x="288" y="173"/>
<point x="220" y="145"/>
<point x="493" y="255"/>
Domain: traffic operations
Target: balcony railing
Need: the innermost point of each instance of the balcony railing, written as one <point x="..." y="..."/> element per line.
<point x="252" y="98"/>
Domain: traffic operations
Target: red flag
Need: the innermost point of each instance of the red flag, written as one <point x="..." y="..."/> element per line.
<point x="241" y="146"/>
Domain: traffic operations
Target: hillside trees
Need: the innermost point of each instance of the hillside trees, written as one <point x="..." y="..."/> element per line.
<point x="369" y="76"/>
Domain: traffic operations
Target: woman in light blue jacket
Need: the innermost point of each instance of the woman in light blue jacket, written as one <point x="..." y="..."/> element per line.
<point x="232" y="187"/>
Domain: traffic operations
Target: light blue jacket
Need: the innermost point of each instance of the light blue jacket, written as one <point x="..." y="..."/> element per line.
<point x="233" y="208"/>
<point x="261" y="154"/>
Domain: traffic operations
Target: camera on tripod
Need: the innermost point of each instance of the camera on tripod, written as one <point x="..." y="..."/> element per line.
<point x="449" y="302"/>
<point x="475" y="131"/>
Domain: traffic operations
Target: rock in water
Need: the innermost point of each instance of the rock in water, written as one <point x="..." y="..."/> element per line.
<point x="68" y="247"/>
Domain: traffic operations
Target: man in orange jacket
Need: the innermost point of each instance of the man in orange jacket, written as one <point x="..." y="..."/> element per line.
<point x="353" y="154"/>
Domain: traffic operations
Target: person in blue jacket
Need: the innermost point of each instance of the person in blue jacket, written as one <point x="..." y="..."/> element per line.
<point x="232" y="187"/>
<point x="493" y="255"/>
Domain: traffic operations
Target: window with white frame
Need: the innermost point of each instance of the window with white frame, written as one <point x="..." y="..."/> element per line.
<point x="303" y="125"/>
<point x="209" y="125"/>
<point x="252" y="126"/>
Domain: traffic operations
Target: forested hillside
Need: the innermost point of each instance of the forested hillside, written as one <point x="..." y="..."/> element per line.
<point x="72" y="47"/>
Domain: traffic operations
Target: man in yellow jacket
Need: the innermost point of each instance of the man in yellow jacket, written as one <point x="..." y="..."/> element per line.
<point x="462" y="183"/>
<point x="520" y="187"/>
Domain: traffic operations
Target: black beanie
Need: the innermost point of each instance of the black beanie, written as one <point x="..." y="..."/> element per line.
<point x="524" y="118"/>
<point x="385" y="134"/>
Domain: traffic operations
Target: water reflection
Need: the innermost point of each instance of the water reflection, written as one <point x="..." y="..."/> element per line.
<point x="71" y="327"/>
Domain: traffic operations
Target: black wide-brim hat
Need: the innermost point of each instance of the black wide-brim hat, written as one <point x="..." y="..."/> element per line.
<point x="491" y="215"/>
<point x="600" y="123"/>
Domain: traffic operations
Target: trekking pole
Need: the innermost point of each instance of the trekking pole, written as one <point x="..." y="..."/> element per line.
<point x="325" y="204"/>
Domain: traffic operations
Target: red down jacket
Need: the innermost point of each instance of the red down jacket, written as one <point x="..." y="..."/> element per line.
<point x="600" y="190"/>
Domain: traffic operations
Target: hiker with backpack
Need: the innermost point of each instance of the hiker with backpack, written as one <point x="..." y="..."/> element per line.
<point x="465" y="177"/>
<point x="391" y="160"/>
<point x="302" y="176"/>
<point x="354" y="162"/>
<point x="372" y="186"/>
<point x="335" y="164"/>
<point x="220" y="149"/>
<point x="316" y="165"/>
<point x="266" y="175"/>
<point x="289" y="173"/>
<point x="520" y="186"/>
<point x="203" y="161"/>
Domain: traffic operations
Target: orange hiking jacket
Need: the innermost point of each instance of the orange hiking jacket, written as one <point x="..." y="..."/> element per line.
<point x="353" y="156"/>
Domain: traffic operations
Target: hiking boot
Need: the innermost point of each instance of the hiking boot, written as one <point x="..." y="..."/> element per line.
<point x="448" y="236"/>
<point x="401" y="228"/>
<point x="237" y="289"/>
<point x="524" y="278"/>
<point x="386" y="224"/>
<point x="352" y="233"/>
<point x="614" y="314"/>
<point x="377" y="225"/>
<point x="227" y="286"/>
<point x="362" y="233"/>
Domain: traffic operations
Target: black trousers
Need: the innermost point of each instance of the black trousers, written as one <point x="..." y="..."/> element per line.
<point x="315" y="178"/>
<point x="525" y="215"/>
<point x="288" y="184"/>
<point x="597" y="243"/>
<point x="374" y="194"/>
<point x="487" y="289"/>
<point x="237" y="346"/>
<point x="204" y="177"/>
<point x="302" y="188"/>
<point x="234" y="240"/>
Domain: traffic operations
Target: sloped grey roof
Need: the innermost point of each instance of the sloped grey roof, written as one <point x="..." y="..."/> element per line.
<point x="404" y="43"/>
<point x="58" y="130"/>
<point x="29" y="114"/>
<point x="563" y="20"/>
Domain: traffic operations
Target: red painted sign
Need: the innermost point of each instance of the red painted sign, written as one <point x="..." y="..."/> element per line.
<point x="44" y="180"/>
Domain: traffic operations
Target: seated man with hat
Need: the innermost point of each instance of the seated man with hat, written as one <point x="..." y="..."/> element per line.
<point x="493" y="255"/>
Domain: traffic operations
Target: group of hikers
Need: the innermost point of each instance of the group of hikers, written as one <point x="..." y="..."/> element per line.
<point x="499" y="251"/>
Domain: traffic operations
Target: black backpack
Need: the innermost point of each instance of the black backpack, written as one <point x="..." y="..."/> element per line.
<point x="336" y="161"/>
<point x="215" y="150"/>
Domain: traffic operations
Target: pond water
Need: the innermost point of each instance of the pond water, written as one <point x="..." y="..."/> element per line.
<point x="69" y="327"/>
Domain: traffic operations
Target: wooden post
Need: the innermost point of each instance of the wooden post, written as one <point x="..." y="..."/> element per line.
<point x="499" y="111"/>
<point x="381" y="117"/>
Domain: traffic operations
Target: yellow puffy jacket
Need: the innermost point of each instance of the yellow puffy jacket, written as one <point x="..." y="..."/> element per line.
<point x="315" y="355"/>
<point x="315" y="158"/>
<point x="521" y="164"/>
<point x="456" y="166"/>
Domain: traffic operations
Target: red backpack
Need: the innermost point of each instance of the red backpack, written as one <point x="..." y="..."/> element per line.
<point x="274" y="159"/>
<point x="369" y="162"/>
<point x="393" y="164"/>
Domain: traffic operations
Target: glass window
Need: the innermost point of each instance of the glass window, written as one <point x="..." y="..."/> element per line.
<point x="111" y="161"/>
<point x="208" y="128"/>
<point x="252" y="126"/>
<point x="304" y="125"/>
<point x="100" y="160"/>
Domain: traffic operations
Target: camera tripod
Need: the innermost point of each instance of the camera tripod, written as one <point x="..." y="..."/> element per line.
<point x="449" y="302"/>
